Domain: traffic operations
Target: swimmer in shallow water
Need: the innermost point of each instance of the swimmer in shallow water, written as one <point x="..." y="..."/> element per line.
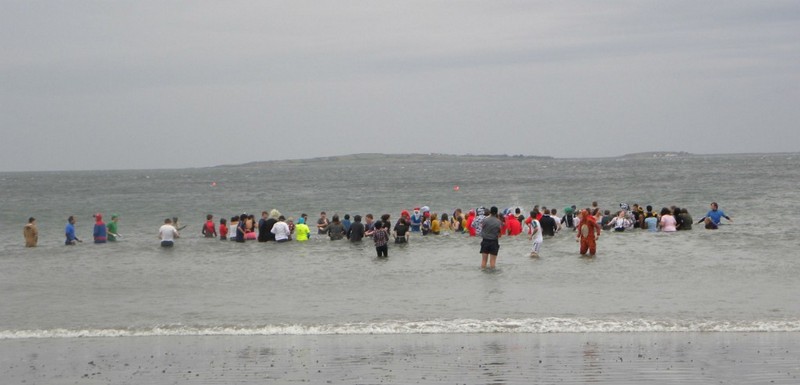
<point x="713" y="217"/>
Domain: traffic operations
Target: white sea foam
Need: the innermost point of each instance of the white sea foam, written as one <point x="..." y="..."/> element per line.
<point x="543" y="325"/>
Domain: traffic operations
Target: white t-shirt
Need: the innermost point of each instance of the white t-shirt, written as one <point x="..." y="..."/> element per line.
<point x="281" y="231"/>
<point x="167" y="232"/>
<point x="558" y="222"/>
<point x="535" y="225"/>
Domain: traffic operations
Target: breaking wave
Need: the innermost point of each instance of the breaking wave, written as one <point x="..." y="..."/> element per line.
<point x="541" y="325"/>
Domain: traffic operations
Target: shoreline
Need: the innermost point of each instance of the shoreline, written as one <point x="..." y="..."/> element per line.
<point x="619" y="358"/>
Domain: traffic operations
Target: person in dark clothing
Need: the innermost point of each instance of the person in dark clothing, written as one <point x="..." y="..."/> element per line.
<point x="549" y="226"/>
<point x="356" y="230"/>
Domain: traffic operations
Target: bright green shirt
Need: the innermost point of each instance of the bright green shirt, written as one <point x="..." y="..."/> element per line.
<point x="112" y="229"/>
<point x="301" y="231"/>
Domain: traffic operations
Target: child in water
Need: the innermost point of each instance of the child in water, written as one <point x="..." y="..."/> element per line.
<point x="223" y="229"/>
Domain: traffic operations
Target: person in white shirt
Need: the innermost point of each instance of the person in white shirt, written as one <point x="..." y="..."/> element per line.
<point x="559" y="220"/>
<point x="536" y="236"/>
<point x="167" y="233"/>
<point x="620" y="222"/>
<point x="281" y="230"/>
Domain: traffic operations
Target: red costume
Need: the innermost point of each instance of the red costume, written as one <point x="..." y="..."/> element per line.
<point x="586" y="233"/>
<point x="513" y="225"/>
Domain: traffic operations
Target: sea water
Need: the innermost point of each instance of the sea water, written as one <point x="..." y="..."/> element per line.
<point x="740" y="278"/>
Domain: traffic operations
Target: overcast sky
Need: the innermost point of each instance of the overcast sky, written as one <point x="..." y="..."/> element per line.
<point x="162" y="84"/>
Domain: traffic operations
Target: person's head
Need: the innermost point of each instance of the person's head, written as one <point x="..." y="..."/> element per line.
<point x="649" y="208"/>
<point x="434" y="216"/>
<point x="71" y="219"/>
<point x="335" y="218"/>
<point x="357" y="218"/>
<point x="98" y="217"/>
<point x="594" y="203"/>
<point x="304" y="216"/>
<point x="534" y="213"/>
<point x="621" y="213"/>
<point x="114" y="217"/>
<point x="402" y="221"/>
<point x="209" y="217"/>
<point x="518" y="211"/>
<point x="607" y="212"/>
<point x="714" y="206"/>
<point x="385" y="217"/>
<point x="234" y="219"/>
<point x="684" y="211"/>
<point x="242" y="217"/>
<point x="31" y="220"/>
<point x="264" y="214"/>
<point x="379" y="225"/>
<point x="493" y="210"/>
<point x="553" y="212"/>
<point x="281" y="218"/>
<point x="301" y="221"/>
<point x="322" y="214"/>
<point x="665" y="211"/>
<point x="545" y="210"/>
<point x="444" y="217"/>
<point x="369" y="218"/>
<point x="347" y="217"/>
<point x="583" y="214"/>
<point x="223" y="221"/>
<point x="174" y="219"/>
<point x="167" y="221"/>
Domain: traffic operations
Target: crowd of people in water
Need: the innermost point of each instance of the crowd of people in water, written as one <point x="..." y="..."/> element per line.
<point x="490" y="224"/>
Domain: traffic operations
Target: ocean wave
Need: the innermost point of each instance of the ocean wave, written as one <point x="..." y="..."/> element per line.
<point x="458" y="326"/>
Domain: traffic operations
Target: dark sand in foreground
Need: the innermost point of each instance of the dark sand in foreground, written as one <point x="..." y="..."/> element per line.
<point x="613" y="358"/>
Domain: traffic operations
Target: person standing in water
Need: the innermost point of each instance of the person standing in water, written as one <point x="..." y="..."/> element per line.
<point x="31" y="233"/>
<point x="322" y="223"/>
<point x="280" y="230"/>
<point x="100" y="232"/>
<point x="356" y="231"/>
<point x="167" y="233"/>
<point x="69" y="232"/>
<point x="111" y="228"/>
<point x="588" y="233"/>
<point x="301" y="230"/>
<point x="490" y="232"/>
<point x="381" y="238"/>
<point x="536" y="237"/>
<point x="208" y="230"/>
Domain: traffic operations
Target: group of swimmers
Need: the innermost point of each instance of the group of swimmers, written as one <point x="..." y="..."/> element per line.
<point x="274" y="227"/>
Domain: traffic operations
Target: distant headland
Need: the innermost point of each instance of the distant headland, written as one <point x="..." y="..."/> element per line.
<point x="445" y="157"/>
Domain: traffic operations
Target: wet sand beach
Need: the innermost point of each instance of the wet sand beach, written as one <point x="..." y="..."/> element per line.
<point x="503" y="358"/>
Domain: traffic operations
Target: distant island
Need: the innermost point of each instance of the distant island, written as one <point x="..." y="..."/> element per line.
<point x="438" y="157"/>
<point x="656" y="154"/>
<point x="432" y="157"/>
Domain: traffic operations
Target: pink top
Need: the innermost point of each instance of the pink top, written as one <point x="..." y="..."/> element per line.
<point x="668" y="223"/>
